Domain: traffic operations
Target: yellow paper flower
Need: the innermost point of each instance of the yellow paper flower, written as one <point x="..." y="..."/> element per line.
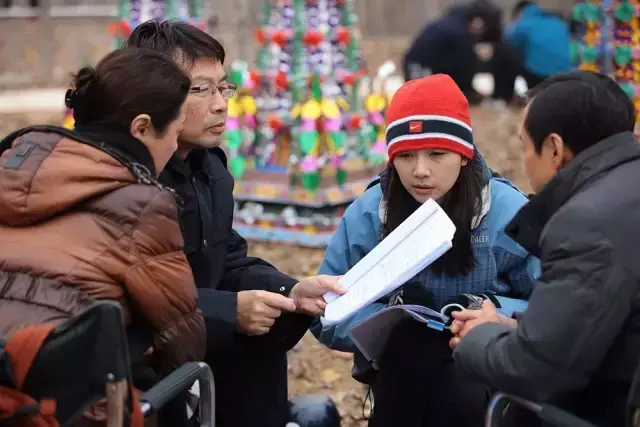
<point x="589" y="67"/>
<point x="375" y="102"/>
<point x="330" y="144"/>
<point x="248" y="105"/>
<point x="344" y="105"/>
<point x="311" y="110"/>
<point x="233" y="108"/>
<point x="330" y="109"/>
<point x="295" y="111"/>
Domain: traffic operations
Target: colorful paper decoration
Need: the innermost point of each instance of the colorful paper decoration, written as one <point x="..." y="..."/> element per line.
<point x="303" y="95"/>
<point x="610" y="42"/>
<point x="131" y="13"/>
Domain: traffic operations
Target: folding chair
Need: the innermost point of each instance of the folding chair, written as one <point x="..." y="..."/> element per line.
<point x="86" y="359"/>
<point x="547" y="413"/>
<point x="555" y="416"/>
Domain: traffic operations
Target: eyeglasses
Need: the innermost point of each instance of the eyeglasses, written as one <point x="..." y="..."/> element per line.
<point x="227" y="90"/>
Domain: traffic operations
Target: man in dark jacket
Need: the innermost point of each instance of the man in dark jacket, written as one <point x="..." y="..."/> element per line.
<point x="578" y="343"/>
<point x="448" y="46"/>
<point x="254" y="314"/>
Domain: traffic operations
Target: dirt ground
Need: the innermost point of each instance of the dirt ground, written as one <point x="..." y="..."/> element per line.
<point x="313" y="369"/>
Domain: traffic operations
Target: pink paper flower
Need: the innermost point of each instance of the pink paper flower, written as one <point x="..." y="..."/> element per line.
<point x="233" y="123"/>
<point x="376" y="118"/>
<point x="248" y="83"/>
<point x="332" y="125"/>
<point x="250" y="121"/>
<point x="309" y="164"/>
<point x="307" y="125"/>
<point x="336" y="161"/>
<point x="380" y="147"/>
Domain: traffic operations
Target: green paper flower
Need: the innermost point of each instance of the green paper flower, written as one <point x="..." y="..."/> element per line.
<point x="624" y="12"/>
<point x="234" y="139"/>
<point x="311" y="180"/>
<point x="628" y="88"/>
<point x="373" y="133"/>
<point x="308" y="141"/>
<point x="315" y="87"/>
<point x="589" y="54"/>
<point x="341" y="176"/>
<point x="377" y="159"/>
<point x="236" y="166"/>
<point x="235" y="77"/>
<point x="592" y="12"/>
<point x="578" y="12"/>
<point x="575" y="52"/>
<point x="622" y="55"/>
<point x="338" y="139"/>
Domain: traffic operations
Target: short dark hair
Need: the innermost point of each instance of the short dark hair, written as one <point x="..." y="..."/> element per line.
<point x="583" y="107"/>
<point x="178" y="39"/>
<point x="126" y="83"/>
<point x="519" y="6"/>
<point x="490" y="15"/>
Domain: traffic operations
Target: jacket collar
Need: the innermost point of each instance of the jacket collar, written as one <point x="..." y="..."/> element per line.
<point x="528" y="224"/>
<point x="196" y="162"/>
<point x="123" y="142"/>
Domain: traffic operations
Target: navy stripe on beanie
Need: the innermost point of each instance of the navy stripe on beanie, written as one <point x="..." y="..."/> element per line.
<point x="411" y="127"/>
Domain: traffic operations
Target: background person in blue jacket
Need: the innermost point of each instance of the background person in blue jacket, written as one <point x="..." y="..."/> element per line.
<point x="542" y="38"/>
<point x="431" y="155"/>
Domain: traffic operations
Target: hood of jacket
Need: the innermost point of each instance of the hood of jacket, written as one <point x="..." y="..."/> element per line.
<point x="44" y="173"/>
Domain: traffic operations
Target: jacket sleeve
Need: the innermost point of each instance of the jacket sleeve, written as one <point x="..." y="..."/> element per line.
<point x="219" y="310"/>
<point x="517" y="270"/>
<point x="566" y="331"/>
<point x="244" y="273"/>
<point x="161" y="287"/>
<point x="354" y="238"/>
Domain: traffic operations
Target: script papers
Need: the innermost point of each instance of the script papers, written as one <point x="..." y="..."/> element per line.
<point x="417" y="242"/>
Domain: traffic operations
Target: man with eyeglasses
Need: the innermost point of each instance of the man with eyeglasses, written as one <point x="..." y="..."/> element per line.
<point x="254" y="313"/>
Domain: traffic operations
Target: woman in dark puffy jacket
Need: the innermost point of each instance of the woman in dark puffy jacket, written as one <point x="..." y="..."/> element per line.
<point x="83" y="218"/>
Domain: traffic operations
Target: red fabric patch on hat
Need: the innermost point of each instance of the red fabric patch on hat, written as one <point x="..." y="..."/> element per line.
<point x="415" y="127"/>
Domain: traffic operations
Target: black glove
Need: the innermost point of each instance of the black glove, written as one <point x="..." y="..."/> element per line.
<point x="412" y="293"/>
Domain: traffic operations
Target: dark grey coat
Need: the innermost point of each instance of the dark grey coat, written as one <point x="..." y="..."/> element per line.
<point x="578" y="342"/>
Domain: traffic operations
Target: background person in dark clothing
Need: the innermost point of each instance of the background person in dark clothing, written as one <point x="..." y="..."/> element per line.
<point x="254" y="314"/>
<point x="448" y="46"/>
<point x="578" y="343"/>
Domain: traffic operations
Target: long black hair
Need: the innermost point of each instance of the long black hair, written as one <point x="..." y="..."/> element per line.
<point x="462" y="203"/>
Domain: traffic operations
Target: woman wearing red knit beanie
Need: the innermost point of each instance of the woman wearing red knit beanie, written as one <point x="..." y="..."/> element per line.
<point x="431" y="156"/>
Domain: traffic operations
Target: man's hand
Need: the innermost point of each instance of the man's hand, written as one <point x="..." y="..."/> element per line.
<point x="258" y="310"/>
<point x="307" y="293"/>
<point x="466" y="320"/>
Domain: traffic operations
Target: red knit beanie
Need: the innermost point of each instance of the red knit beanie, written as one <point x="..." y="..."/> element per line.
<point x="430" y="112"/>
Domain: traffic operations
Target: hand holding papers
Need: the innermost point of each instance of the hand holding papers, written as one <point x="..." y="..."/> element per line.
<point x="417" y="242"/>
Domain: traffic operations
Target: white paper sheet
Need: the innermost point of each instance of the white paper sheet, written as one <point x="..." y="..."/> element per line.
<point x="417" y="242"/>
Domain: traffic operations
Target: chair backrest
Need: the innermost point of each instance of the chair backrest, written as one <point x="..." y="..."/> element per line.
<point x="634" y="399"/>
<point x="77" y="360"/>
